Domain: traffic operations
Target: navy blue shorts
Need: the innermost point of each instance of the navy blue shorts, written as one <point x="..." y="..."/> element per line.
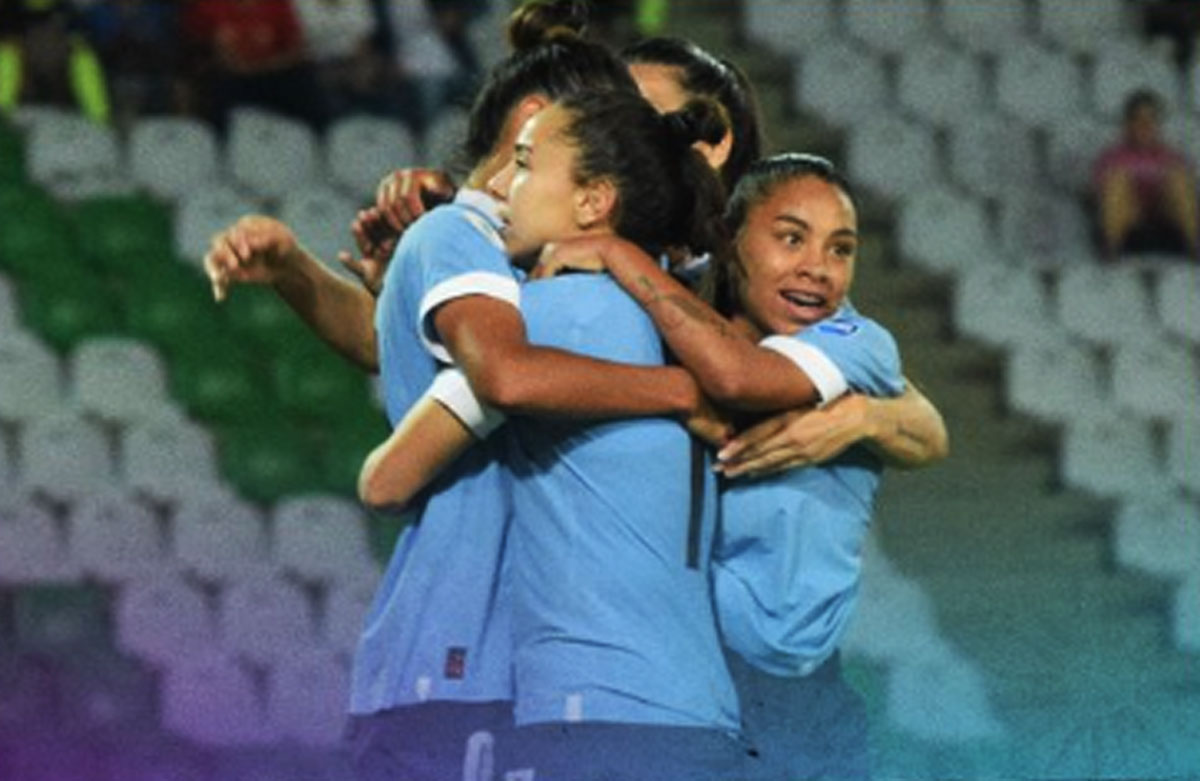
<point x="432" y="741"/>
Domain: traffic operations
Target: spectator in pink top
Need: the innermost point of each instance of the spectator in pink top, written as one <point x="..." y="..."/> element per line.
<point x="1145" y="188"/>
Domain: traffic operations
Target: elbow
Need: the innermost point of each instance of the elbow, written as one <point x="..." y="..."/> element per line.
<point x="374" y="491"/>
<point x="500" y="386"/>
<point x="726" y="388"/>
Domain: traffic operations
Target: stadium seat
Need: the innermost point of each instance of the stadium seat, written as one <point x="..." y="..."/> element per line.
<point x="62" y="619"/>
<point x="892" y="156"/>
<point x="889" y="26"/>
<point x="10" y="313"/>
<point x="211" y="699"/>
<point x="894" y="620"/>
<point x="168" y="458"/>
<point x="163" y="620"/>
<point x="32" y="548"/>
<point x="268" y="461"/>
<point x="1038" y="85"/>
<point x="1074" y="143"/>
<point x="218" y="381"/>
<point x="1158" y="535"/>
<point x="940" y="84"/>
<point x="172" y="156"/>
<point x="1112" y="457"/>
<point x="271" y="155"/>
<point x="114" y="538"/>
<point x="1183" y="451"/>
<point x="321" y="217"/>
<point x="172" y="309"/>
<point x="36" y="239"/>
<point x="1088" y="295"/>
<point x="104" y="692"/>
<point x="342" y="452"/>
<point x="64" y="456"/>
<point x="203" y="212"/>
<point x="1084" y="28"/>
<point x="939" y="696"/>
<point x="7" y="468"/>
<point x="306" y="698"/>
<point x="1119" y="70"/>
<point x="12" y="154"/>
<point x="1055" y="379"/>
<point x="840" y="83"/>
<point x="984" y="27"/>
<point x="118" y="379"/>
<point x="264" y="619"/>
<point x="31" y="383"/>
<point x="258" y="316"/>
<point x="1157" y="380"/>
<point x="942" y="230"/>
<point x="1044" y="228"/>
<point x="320" y="538"/>
<point x="122" y="236"/>
<point x="219" y="538"/>
<point x="1185" y="613"/>
<point x="990" y="155"/>
<point x="360" y="149"/>
<point x="344" y="610"/>
<point x="790" y="29"/>
<point x="70" y="307"/>
<point x="442" y="140"/>
<point x="1001" y="303"/>
<point x="314" y="384"/>
<point x="68" y="154"/>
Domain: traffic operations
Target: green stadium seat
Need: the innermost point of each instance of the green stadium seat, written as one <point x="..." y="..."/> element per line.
<point x="314" y="384"/>
<point x="62" y="618"/>
<point x="68" y="308"/>
<point x="124" y="235"/>
<point x="257" y="315"/>
<point x="218" y="382"/>
<point x="347" y="444"/>
<point x="12" y="154"/>
<point x="171" y="307"/>
<point x="268" y="461"/>
<point x="36" y="239"/>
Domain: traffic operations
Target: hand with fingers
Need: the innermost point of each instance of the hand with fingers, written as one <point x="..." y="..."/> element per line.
<point x="708" y="424"/>
<point x="581" y="254"/>
<point x="376" y="242"/>
<point x="796" y="438"/>
<point x="254" y="250"/>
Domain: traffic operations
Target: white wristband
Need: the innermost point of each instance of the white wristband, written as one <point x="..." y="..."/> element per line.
<point x="451" y="389"/>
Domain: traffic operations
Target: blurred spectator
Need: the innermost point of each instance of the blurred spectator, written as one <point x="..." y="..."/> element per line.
<point x="251" y="52"/>
<point x="433" y="54"/>
<point x="1146" y="189"/>
<point x="137" y="42"/>
<point x="344" y="41"/>
<point x="44" y="59"/>
<point x="1178" y="21"/>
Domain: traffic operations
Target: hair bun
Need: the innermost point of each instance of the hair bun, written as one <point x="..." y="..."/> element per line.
<point x="539" y="21"/>
<point x="701" y="119"/>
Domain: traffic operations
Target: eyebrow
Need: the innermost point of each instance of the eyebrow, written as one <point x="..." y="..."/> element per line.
<point x="799" y="223"/>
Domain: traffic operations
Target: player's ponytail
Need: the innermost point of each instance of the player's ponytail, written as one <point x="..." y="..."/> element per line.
<point x="538" y="21"/>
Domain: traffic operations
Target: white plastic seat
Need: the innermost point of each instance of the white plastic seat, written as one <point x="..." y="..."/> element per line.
<point x="116" y="539"/>
<point x="271" y="155"/>
<point x="890" y="26"/>
<point x="32" y="547"/>
<point x="220" y="538"/>
<point x="940" y="84"/>
<point x="10" y="312"/>
<point x="1159" y="535"/>
<point x="840" y="82"/>
<point x="30" y="378"/>
<point x="442" y="140"/>
<point x="789" y="28"/>
<point x="320" y="538"/>
<point x="990" y="155"/>
<point x="1183" y="451"/>
<point x="1044" y="228"/>
<point x="984" y="27"/>
<point x="943" y="230"/>
<point x="118" y="378"/>
<point x="360" y="149"/>
<point x="163" y="620"/>
<point x="212" y="699"/>
<point x="265" y="618"/>
<point x="1185" y="613"/>
<point x="68" y="152"/>
<point x="940" y="697"/>
<point x="345" y="609"/>
<point x="1107" y="305"/>
<point x="169" y="458"/>
<point x="306" y="698"/>
<point x="172" y="156"/>
<point x="1085" y="28"/>
<point x="202" y="213"/>
<point x="1056" y="380"/>
<point x="1156" y="380"/>
<point x="1112" y="457"/>
<point x="1177" y="289"/>
<point x="65" y="457"/>
<point x="321" y="217"/>
<point x="893" y="620"/>
<point x="1119" y="70"/>
<point x="1074" y="144"/>
<point x="1001" y="303"/>
<point x="892" y="156"/>
<point x="1038" y="85"/>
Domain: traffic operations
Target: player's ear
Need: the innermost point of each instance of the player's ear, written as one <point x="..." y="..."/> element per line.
<point x="595" y="202"/>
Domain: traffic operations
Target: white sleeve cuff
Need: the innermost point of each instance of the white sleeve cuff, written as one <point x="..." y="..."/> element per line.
<point x="824" y="373"/>
<point x="484" y="283"/>
<point x="451" y="389"/>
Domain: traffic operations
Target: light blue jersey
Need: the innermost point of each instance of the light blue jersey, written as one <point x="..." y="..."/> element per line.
<point x="613" y="615"/>
<point x="789" y="555"/>
<point x="439" y="628"/>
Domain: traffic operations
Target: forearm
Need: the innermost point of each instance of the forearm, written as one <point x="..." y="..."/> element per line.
<point x="729" y="367"/>
<point x="907" y="432"/>
<point x="340" y="311"/>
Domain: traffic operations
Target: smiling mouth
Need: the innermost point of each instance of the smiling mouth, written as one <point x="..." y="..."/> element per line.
<point x="804" y="300"/>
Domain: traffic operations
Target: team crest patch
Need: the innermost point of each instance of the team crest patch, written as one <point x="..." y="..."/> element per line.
<point x="837" y="327"/>
<point x="456" y="663"/>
